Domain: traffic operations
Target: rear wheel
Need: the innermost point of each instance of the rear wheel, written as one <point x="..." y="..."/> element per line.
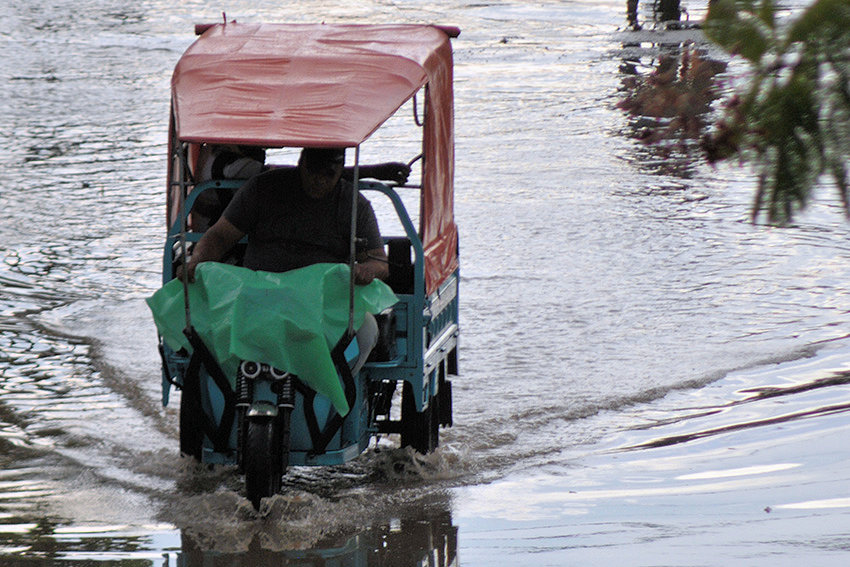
<point x="265" y="455"/>
<point x="420" y="430"/>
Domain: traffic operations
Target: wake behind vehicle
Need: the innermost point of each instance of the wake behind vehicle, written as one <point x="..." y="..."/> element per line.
<point x="271" y="86"/>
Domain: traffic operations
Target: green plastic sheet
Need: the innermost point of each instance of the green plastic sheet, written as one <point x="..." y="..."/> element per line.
<point x="289" y="320"/>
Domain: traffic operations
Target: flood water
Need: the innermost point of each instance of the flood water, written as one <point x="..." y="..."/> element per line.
<point x="645" y="376"/>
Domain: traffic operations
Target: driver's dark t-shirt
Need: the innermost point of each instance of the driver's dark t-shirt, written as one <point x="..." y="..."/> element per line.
<point x="287" y="229"/>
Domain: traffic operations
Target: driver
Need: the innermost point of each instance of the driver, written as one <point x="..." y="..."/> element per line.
<point x="296" y="217"/>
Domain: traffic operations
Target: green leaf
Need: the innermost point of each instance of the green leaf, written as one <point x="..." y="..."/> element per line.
<point x="739" y="32"/>
<point x="825" y="20"/>
<point x="767" y="14"/>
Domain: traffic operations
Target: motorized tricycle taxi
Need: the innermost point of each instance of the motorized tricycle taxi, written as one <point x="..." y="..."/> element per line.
<point x="280" y="87"/>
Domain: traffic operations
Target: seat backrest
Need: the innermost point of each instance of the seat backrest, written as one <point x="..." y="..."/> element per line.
<point x="401" y="265"/>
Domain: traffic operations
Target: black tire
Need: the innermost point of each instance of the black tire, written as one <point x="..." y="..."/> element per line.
<point x="420" y="430"/>
<point x="445" y="403"/>
<point x="264" y="456"/>
<point x="241" y="425"/>
<point x="284" y="421"/>
<point x="191" y="420"/>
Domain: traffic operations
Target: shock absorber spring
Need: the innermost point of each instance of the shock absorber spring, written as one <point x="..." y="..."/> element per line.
<point x="285" y="392"/>
<point x="243" y="394"/>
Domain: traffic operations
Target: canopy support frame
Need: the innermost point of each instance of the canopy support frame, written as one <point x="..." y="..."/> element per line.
<point x="352" y="240"/>
<point x="183" y="185"/>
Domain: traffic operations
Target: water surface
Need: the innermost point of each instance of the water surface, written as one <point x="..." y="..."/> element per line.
<point x="644" y="372"/>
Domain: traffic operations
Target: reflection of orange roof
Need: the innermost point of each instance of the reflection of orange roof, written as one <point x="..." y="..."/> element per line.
<point x="280" y="85"/>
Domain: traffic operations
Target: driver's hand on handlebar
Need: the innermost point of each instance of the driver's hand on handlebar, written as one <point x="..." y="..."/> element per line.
<point x="395" y="171"/>
<point x="363" y="274"/>
<point x="190" y="273"/>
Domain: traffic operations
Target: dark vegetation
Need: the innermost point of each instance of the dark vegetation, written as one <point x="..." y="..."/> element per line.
<point x="790" y="118"/>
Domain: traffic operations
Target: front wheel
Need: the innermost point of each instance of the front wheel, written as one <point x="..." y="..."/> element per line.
<point x="265" y="456"/>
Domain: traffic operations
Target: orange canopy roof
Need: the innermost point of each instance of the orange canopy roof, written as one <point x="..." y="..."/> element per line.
<point x="278" y="85"/>
<point x="325" y="85"/>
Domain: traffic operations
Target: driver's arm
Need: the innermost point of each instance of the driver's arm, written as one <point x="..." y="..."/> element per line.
<point x="395" y="171"/>
<point x="215" y="243"/>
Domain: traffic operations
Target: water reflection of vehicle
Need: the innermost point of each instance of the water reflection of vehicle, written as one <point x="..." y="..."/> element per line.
<point x="293" y="86"/>
<point x="413" y="541"/>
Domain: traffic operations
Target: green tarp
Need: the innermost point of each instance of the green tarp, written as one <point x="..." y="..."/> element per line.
<point x="289" y="320"/>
